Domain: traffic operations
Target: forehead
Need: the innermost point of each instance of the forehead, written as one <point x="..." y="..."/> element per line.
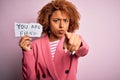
<point x="59" y="14"/>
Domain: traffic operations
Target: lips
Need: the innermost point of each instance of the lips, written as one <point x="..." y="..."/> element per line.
<point x="61" y="31"/>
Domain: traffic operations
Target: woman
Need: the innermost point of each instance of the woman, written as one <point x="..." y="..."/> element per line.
<point x="54" y="56"/>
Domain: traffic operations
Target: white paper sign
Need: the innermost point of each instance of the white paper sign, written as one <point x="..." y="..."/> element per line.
<point x="30" y="29"/>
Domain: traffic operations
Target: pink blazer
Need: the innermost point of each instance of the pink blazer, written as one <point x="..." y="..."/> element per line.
<point x="38" y="61"/>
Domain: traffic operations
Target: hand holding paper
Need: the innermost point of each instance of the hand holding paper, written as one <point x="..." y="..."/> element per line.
<point x="26" y="31"/>
<point x="25" y="43"/>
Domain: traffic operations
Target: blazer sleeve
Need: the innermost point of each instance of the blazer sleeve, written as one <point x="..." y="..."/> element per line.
<point x="83" y="49"/>
<point x="28" y="65"/>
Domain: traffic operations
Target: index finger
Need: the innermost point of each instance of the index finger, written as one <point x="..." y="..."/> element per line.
<point x="68" y="35"/>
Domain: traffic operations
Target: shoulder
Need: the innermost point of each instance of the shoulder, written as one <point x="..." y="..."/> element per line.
<point x="40" y="39"/>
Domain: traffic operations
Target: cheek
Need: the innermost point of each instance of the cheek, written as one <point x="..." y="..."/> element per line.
<point x="67" y="27"/>
<point x="52" y="24"/>
<point x="53" y="28"/>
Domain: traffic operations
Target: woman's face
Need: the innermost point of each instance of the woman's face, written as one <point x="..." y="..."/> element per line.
<point x="59" y="23"/>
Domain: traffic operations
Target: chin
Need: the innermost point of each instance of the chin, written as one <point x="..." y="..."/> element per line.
<point x="60" y="36"/>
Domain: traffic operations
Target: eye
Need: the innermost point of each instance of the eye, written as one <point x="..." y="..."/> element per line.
<point x="66" y="20"/>
<point x="55" y="20"/>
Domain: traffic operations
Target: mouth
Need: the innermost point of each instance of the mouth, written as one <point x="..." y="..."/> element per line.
<point x="61" y="31"/>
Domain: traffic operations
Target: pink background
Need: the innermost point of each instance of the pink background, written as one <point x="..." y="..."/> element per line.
<point x="100" y="27"/>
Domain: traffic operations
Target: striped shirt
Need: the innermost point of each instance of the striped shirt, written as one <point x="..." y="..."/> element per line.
<point x="53" y="46"/>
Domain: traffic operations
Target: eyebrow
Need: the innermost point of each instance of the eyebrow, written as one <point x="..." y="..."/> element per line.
<point x="57" y="18"/>
<point x="60" y="18"/>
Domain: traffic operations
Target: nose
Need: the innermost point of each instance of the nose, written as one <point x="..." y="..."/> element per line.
<point x="61" y="24"/>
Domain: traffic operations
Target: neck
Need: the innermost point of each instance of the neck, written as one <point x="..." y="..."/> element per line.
<point x="53" y="38"/>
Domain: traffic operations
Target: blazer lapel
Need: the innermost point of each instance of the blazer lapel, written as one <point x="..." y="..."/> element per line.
<point x="48" y="57"/>
<point x="62" y="59"/>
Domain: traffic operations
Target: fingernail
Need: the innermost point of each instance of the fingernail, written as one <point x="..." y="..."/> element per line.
<point x="65" y="50"/>
<point x="72" y="52"/>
